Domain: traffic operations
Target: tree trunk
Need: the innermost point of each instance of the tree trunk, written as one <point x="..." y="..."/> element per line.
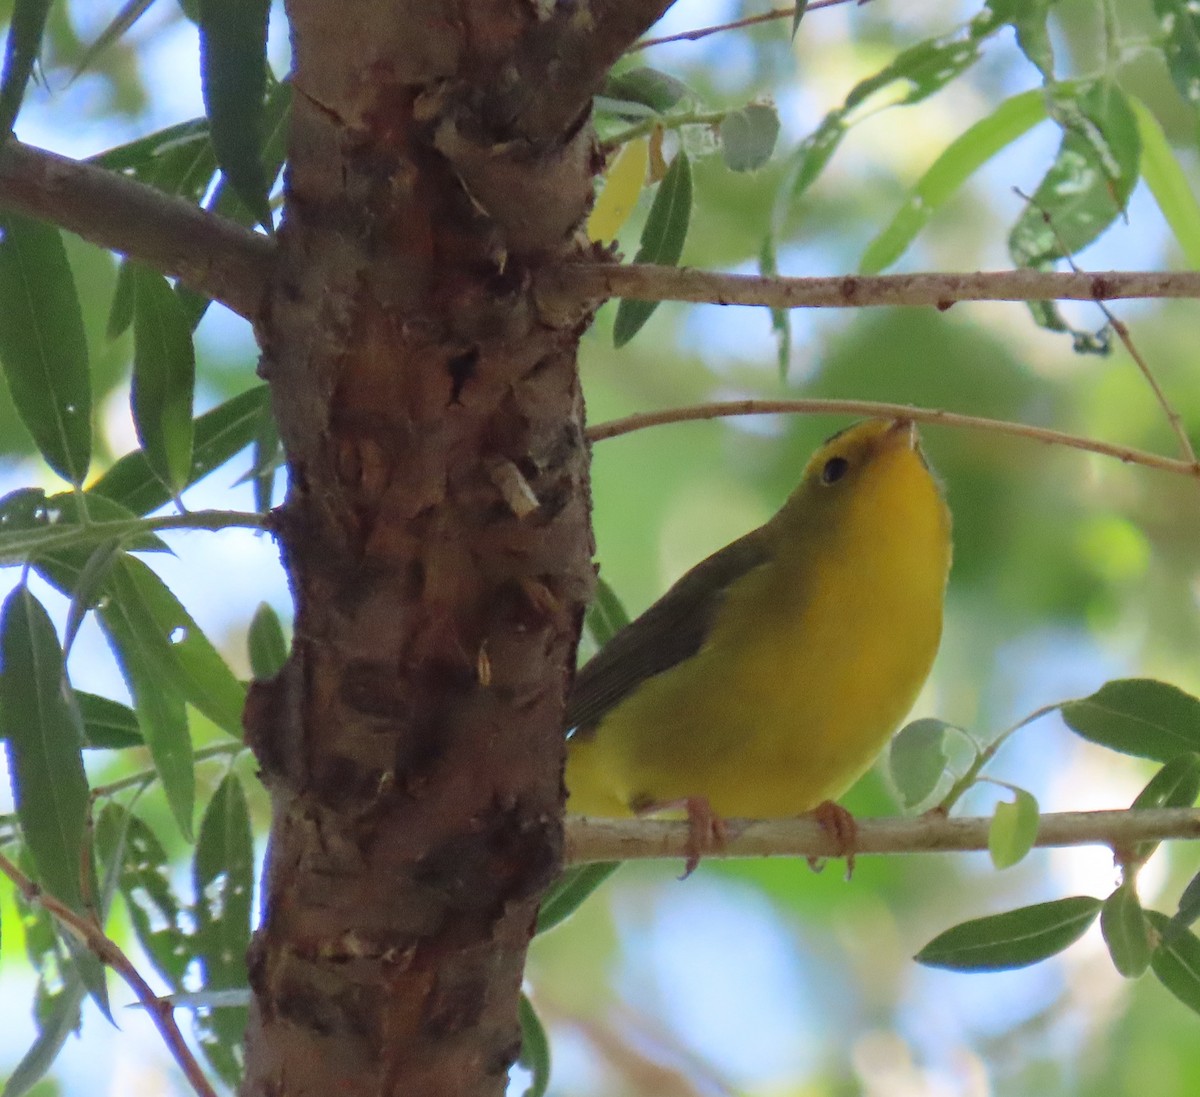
<point x="436" y="534"/>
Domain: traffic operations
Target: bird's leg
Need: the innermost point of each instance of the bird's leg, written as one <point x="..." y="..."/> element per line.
<point x="839" y="824"/>
<point x="706" y="829"/>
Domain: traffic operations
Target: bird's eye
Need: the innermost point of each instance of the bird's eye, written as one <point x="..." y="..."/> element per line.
<point x="835" y="468"/>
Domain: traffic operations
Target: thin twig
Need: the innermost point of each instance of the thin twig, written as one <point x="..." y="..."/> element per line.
<point x="737" y="24"/>
<point x="110" y="953"/>
<point x="875" y="409"/>
<point x="1173" y="417"/>
<point x="589" y="840"/>
<point x="648" y="282"/>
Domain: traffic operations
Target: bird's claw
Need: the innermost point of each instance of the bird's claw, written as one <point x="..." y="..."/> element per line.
<point x="842" y="829"/>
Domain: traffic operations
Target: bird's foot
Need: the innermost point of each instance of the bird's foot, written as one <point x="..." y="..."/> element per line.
<point x="706" y="829"/>
<point x="841" y="827"/>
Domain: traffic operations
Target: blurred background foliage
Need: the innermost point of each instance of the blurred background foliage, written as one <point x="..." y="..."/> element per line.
<point x="762" y="977"/>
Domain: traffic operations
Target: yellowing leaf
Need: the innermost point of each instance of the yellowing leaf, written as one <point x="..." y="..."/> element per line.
<point x="622" y="186"/>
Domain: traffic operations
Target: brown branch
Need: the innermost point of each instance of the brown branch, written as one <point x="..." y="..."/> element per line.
<point x="589" y="840"/>
<point x="207" y="253"/>
<point x="874" y="408"/>
<point x="646" y="282"/>
<point x="108" y="952"/>
<point x="737" y="24"/>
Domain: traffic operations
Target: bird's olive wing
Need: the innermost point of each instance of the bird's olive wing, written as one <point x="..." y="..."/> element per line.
<point x="671" y="630"/>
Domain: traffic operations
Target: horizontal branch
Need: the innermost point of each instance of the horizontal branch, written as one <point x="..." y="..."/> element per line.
<point x="590" y="840"/>
<point x="647" y="282"/>
<point x="209" y="254"/>
<point x="876" y="409"/>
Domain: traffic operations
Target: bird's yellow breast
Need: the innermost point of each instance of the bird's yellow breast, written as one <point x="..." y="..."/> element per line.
<point x="812" y="661"/>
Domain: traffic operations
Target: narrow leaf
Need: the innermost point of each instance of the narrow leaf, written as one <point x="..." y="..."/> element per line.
<point x="1168" y="184"/>
<point x="233" y="76"/>
<point x="622" y="185"/>
<point x="181" y="654"/>
<point x="535" y="1049"/>
<point x="55" y="1027"/>
<point x="158" y="919"/>
<point x="42" y="345"/>
<point x="107" y="724"/>
<point x="1126" y="932"/>
<point x="21" y="49"/>
<point x="1138" y="716"/>
<point x="570" y="890"/>
<point x="41" y="726"/>
<point x="1013" y="830"/>
<point x="1180" y="25"/>
<point x="1189" y="908"/>
<point x="917" y="759"/>
<point x="223" y="876"/>
<point x="128" y="14"/>
<point x="219" y="435"/>
<point x="1014" y="939"/>
<point x="1089" y="183"/>
<point x="798" y="15"/>
<point x="88" y="587"/>
<point x="649" y="87"/>
<point x="164" y="376"/>
<point x="949" y="172"/>
<point x="268" y="647"/>
<point x="1176" y="961"/>
<point x="662" y="242"/>
<point x="606" y="615"/>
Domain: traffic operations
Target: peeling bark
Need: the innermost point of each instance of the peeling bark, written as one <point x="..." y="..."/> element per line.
<point x="437" y="537"/>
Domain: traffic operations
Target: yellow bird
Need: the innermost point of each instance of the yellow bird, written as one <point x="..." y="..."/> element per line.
<point x="768" y="678"/>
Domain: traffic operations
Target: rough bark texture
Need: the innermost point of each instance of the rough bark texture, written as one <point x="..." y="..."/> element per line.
<point x="437" y="537"/>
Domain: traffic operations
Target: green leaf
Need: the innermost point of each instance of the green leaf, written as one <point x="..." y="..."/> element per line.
<point x="1014" y="939"/>
<point x="606" y="615"/>
<point x="120" y="312"/>
<point x="535" y="1049"/>
<point x="130" y="12"/>
<point x="107" y="724"/>
<point x="219" y="435"/>
<point x="88" y="587"/>
<point x="21" y="49"/>
<point x="223" y="877"/>
<point x="949" y="172"/>
<point x="1180" y="25"/>
<point x="1189" y="909"/>
<point x="570" y="890"/>
<point x="917" y="759"/>
<point x="268" y="647"/>
<point x="1089" y="184"/>
<point x="662" y="242"/>
<point x="40" y="723"/>
<point x="164" y="376"/>
<point x="233" y="76"/>
<point x="1013" y="830"/>
<point x="160" y="709"/>
<point x="142" y="607"/>
<point x="748" y="136"/>
<point x="1176" y="961"/>
<point x="1126" y="932"/>
<point x="77" y="524"/>
<point x="42" y="344"/>
<point x="1176" y="785"/>
<point x="53" y="1030"/>
<point x="781" y="324"/>
<point x="1138" y="716"/>
<point x="1168" y="183"/>
<point x="158" y="920"/>
<point x="1028" y="19"/>
<point x="648" y="87"/>
<point x="797" y="15"/>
